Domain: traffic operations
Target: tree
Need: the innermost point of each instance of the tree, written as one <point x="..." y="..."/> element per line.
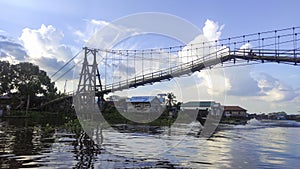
<point x="30" y="80"/>
<point x="6" y="76"/>
<point x="171" y="100"/>
<point x="25" y="80"/>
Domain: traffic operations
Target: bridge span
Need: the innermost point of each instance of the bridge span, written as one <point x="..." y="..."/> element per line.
<point x="278" y="46"/>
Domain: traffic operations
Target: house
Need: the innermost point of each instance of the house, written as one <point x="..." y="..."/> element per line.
<point x="197" y="105"/>
<point x="235" y="111"/>
<point x="203" y="107"/>
<point x="144" y="104"/>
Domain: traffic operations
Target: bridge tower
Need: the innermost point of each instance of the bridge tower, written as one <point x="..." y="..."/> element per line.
<point x="90" y="80"/>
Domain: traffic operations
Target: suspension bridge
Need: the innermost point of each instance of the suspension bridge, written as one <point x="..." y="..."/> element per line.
<point x="120" y="69"/>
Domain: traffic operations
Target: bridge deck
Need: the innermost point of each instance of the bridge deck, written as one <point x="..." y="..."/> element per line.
<point x="198" y="65"/>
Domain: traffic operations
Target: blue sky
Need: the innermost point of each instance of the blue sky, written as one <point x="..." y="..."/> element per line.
<point x="64" y="25"/>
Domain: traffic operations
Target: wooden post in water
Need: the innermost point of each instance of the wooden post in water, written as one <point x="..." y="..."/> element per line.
<point x="27" y="106"/>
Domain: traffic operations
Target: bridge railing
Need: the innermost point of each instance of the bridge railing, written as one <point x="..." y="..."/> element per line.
<point x="272" y="44"/>
<point x="275" y="38"/>
<point x="168" y="73"/>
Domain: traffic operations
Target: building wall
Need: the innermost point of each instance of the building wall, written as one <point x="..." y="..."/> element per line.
<point x="145" y="107"/>
<point x="194" y="108"/>
<point x="229" y="113"/>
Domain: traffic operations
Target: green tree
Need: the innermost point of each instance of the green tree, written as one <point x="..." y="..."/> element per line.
<point x="32" y="82"/>
<point x="27" y="82"/>
<point x="171" y="100"/>
<point x="6" y="77"/>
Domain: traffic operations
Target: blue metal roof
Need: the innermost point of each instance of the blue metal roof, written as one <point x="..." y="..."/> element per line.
<point x="141" y="99"/>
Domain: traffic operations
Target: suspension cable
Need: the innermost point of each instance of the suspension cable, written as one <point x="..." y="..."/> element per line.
<point x="66" y="63"/>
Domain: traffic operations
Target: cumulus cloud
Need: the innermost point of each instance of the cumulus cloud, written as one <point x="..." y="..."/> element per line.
<point x="51" y="65"/>
<point x="46" y="42"/>
<point x="11" y="50"/>
<point x="242" y="82"/>
<point x="213" y="80"/>
<point x="212" y="30"/>
<point x="44" y="48"/>
<point x="273" y="89"/>
<point x="91" y="28"/>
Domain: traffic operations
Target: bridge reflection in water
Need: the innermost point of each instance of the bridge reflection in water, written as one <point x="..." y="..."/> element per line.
<point x="256" y="145"/>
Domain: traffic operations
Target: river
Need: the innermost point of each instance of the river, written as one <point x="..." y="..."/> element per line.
<point x="258" y="144"/>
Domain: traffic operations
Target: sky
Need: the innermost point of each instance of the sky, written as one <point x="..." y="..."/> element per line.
<point x="49" y="33"/>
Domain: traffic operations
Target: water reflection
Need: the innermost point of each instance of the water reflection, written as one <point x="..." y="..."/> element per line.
<point x="26" y="144"/>
<point x="85" y="151"/>
<point x="272" y="144"/>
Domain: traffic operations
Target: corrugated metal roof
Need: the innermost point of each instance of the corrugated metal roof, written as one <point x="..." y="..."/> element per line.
<point x="141" y="99"/>
<point x="198" y="104"/>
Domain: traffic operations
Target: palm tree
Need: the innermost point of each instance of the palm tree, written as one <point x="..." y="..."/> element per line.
<point x="171" y="100"/>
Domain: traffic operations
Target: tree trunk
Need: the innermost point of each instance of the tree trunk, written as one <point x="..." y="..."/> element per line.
<point x="27" y="106"/>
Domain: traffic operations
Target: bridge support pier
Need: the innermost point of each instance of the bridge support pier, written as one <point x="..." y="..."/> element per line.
<point x="90" y="81"/>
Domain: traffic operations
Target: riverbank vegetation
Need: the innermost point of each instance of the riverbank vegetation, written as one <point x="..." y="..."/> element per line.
<point x="113" y="117"/>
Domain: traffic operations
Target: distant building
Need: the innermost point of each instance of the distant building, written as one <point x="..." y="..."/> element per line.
<point x="197" y="105"/>
<point x="113" y="98"/>
<point x="144" y="104"/>
<point x="116" y="101"/>
<point x="234" y="111"/>
<point x="277" y="116"/>
<point x="203" y="107"/>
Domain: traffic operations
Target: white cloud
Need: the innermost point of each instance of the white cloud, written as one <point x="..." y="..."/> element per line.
<point x="99" y="22"/>
<point x="214" y="80"/>
<point x="195" y="49"/>
<point x="241" y="81"/>
<point x="91" y="28"/>
<point x="11" y="50"/>
<point x="44" y="47"/>
<point x="274" y="90"/>
<point x="46" y="42"/>
<point x="212" y="30"/>
<point x="246" y="46"/>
